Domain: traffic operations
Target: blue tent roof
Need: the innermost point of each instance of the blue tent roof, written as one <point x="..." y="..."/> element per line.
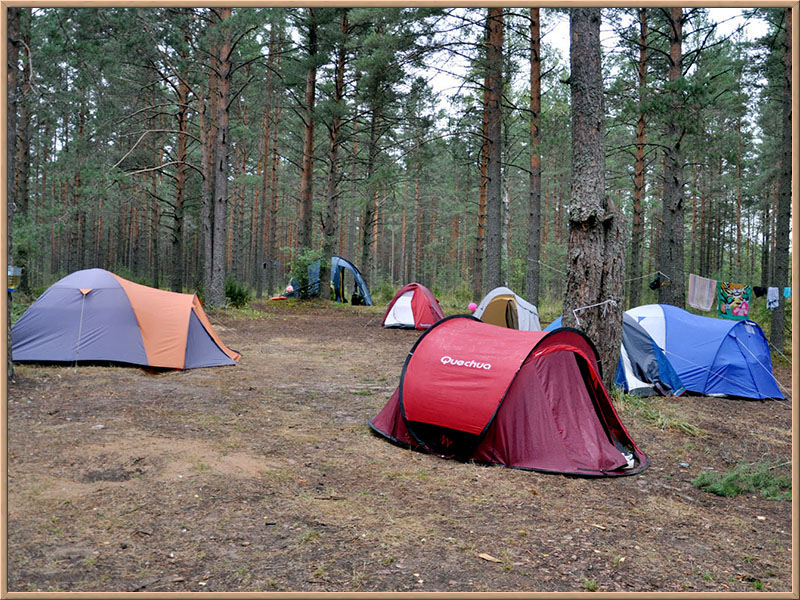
<point x="338" y="266"/>
<point x="643" y="369"/>
<point x="712" y="356"/>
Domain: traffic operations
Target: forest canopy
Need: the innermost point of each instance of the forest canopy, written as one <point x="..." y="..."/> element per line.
<point x="187" y="148"/>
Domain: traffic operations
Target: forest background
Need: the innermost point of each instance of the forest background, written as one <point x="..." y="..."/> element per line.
<point x="211" y="150"/>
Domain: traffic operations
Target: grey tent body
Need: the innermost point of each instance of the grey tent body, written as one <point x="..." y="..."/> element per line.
<point x="504" y="308"/>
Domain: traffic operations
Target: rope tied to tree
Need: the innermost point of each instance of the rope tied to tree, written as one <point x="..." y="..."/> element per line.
<point x="607" y="305"/>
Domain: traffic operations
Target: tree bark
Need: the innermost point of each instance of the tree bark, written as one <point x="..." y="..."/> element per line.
<point x="480" y="238"/>
<point x="637" y="230"/>
<point x="372" y="193"/>
<point x="215" y="296"/>
<point x="535" y="178"/>
<point x="262" y="261"/>
<point x="22" y="162"/>
<point x="181" y="154"/>
<point x="783" y="217"/>
<point x="272" y="227"/>
<point x="307" y="175"/>
<point x="596" y="258"/>
<point x="12" y="66"/>
<point x="330" y="217"/>
<point x="207" y="121"/>
<point x="494" y="200"/>
<point x="670" y="255"/>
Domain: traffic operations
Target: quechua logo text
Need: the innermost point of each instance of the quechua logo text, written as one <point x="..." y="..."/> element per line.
<point x="470" y="364"/>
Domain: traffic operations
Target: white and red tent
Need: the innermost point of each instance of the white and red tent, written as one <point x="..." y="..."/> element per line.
<point x="413" y="307"/>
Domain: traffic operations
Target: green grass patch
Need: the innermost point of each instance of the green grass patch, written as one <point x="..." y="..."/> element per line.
<point x="653" y="411"/>
<point x="772" y="480"/>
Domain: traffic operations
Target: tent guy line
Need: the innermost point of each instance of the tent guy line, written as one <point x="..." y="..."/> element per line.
<point x="611" y="302"/>
<point x="769" y="372"/>
<point x="707" y="370"/>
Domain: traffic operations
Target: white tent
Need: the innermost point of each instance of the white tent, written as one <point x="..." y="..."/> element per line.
<point x="503" y="307"/>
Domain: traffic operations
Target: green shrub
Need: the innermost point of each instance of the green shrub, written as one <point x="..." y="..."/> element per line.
<point x="303" y="258"/>
<point x="237" y="294"/>
<point x="383" y="292"/>
<point x="771" y="480"/>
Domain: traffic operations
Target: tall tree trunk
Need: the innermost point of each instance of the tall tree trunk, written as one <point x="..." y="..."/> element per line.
<point x="177" y="276"/>
<point x="692" y="262"/>
<point x="12" y="66"/>
<point x="330" y="217"/>
<point x="766" y="278"/>
<point x="480" y="238"/>
<point x="272" y="228"/>
<point x="216" y="295"/>
<point x="307" y="175"/>
<point x="263" y="263"/>
<point x="783" y="217"/>
<point x="208" y="127"/>
<point x="494" y="200"/>
<point x="737" y="275"/>
<point x="535" y="178"/>
<point x="637" y="230"/>
<point x="22" y="161"/>
<point x="670" y="253"/>
<point x="596" y="258"/>
<point x="372" y="194"/>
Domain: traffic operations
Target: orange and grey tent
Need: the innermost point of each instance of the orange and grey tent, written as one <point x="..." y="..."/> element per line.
<point x="96" y="316"/>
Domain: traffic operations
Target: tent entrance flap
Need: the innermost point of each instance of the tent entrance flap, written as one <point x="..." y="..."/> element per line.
<point x="501" y="311"/>
<point x="511" y="315"/>
<point x="443" y="440"/>
<point x="401" y="312"/>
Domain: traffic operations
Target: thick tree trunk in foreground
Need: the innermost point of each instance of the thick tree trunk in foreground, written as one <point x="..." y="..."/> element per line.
<point x="596" y="258"/>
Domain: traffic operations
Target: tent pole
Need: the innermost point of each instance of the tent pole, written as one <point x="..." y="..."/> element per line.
<point x="80" y="329"/>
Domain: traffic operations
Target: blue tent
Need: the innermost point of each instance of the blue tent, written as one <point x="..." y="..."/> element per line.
<point x="643" y="369"/>
<point x="712" y="356"/>
<point x="339" y="266"/>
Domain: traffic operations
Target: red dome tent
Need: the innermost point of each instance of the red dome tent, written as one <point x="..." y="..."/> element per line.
<point x="414" y="306"/>
<point x="526" y="399"/>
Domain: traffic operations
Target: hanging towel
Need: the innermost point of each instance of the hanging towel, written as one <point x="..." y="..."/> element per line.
<point x="759" y="291"/>
<point x="734" y="300"/>
<point x="787" y="292"/>
<point x="702" y="292"/>
<point x="772" y="298"/>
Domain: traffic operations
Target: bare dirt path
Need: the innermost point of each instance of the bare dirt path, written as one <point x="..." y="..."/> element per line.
<point x="266" y="477"/>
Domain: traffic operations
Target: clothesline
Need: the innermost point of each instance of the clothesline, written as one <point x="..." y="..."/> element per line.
<point x="648" y="275"/>
<point x="551" y="268"/>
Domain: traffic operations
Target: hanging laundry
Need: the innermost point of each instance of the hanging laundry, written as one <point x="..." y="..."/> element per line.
<point x="787" y="292"/>
<point x="702" y="292"/>
<point x="734" y="300"/>
<point x="759" y="291"/>
<point x="772" y="298"/>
